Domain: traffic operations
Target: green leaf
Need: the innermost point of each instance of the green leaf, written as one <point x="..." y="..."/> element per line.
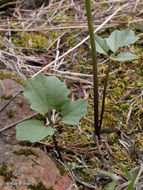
<point x="128" y="176"/>
<point x="112" y="185"/>
<point x="131" y="185"/>
<point x="74" y="111"/>
<point x="125" y="56"/>
<point x="101" y="45"/>
<point x="102" y="172"/>
<point x="32" y="130"/>
<point x="121" y="38"/>
<point x="46" y="93"/>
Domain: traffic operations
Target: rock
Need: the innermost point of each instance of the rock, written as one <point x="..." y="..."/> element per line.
<point x="17" y="109"/>
<point x="25" y="167"/>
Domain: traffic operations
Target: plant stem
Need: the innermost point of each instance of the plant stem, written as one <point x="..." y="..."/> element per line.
<point x="95" y="76"/>
<point x="54" y="137"/>
<point x="104" y="95"/>
<point x="57" y="148"/>
<point x="49" y="118"/>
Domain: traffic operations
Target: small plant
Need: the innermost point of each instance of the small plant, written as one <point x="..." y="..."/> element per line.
<point x="49" y="96"/>
<point x="132" y="179"/>
<point x="116" y="40"/>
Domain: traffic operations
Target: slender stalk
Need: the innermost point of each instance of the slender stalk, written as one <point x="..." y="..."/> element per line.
<point x="57" y="148"/>
<point x="95" y="76"/>
<point x="54" y="138"/>
<point x="104" y="95"/>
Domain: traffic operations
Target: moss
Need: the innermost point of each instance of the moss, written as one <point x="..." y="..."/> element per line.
<point x="25" y="152"/>
<point x="7" y="175"/>
<point x="13" y="76"/>
<point x="39" y="186"/>
<point x="31" y="40"/>
<point x="61" y="17"/>
<point x="6" y="97"/>
<point x="10" y="114"/>
<point x="120" y="156"/>
<point x="35" y="41"/>
<point x="41" y="117"/>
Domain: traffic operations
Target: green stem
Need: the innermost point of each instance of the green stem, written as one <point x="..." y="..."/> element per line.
<point x="104" y="95"/>
<point x="95" y="74"/>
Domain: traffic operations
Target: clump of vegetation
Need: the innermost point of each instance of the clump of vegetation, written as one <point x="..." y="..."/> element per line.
<point x="32" y="40"/>
<point x="10" y="114"/>
<point x="116" y="40"/>
<point x="129" y="182"/>
<point x="39" y="186"/>
<point x="6" y="97"/>
<point x="7" y="175"/>
<point x="45" y="99"/>
<point x="25" y="152"/>
<point x="13" y="76"/>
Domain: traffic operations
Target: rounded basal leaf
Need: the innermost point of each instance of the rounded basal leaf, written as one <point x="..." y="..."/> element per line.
<point x="33" y="131"/>
<point x="46" y="93"/>
<point x="101" y="45"/>
<point x="121" y="38"/>
<point x="74" y="112"/>
<point x="125" y="56"/>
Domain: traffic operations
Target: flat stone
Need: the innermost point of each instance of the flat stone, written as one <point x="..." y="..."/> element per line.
<point x="19" y="107"/>
<point x="30" y="170"/>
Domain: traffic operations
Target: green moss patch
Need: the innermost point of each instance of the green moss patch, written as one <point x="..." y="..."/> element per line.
<point x="13" y="76"/>
<point x="39" y="186"/>
<point x="7" y="175"/>
<point x="6" y="97"/>
<point x="25" y="152"/>
<point x="10" y="114"/>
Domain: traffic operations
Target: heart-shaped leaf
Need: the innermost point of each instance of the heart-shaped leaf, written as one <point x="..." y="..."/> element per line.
<point x="33" y="131"/>
<point x="74" y="111"/>
<point x="125" y="56"/>
<point x="121" y="38"/>
<point x="101" y="45"/>
<point x="46" y="93"/>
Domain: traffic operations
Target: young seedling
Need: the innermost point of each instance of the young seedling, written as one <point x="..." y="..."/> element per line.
<point x="47" y="94"/>
<point x="129" y="182"/>
<point x="113" y="43"/>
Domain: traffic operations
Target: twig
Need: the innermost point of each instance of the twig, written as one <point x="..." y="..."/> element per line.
<point x="131" y="106"/>
<point x="96" y="140"/>
<point x="10" y="100"/>
<point x="57" y="148"/>
<point x="84" y="75"/>
<point x="75" y="178"/>
<point x="13" y="124"/>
